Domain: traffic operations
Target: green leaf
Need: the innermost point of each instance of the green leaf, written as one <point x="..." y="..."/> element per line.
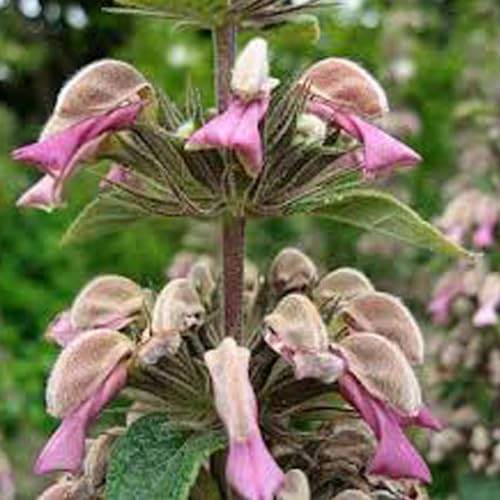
<point x="104" y="215"/>
<point x="156" y="460"/>
<point x="374" y="210"/>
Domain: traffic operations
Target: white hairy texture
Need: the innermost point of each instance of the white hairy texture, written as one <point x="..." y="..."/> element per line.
<point x="96" y="460"/>
<point x="295" y="487"/>
<point x="486" y="210"/>
<point x="342" y="284"/>
<point x="383" y="370"/>
<point x="82" y="367"/>
<point x="201" y="277"/>
<point x="292" y="270"/>
<point x="296" y="325"/>
<point x="386" y="315"/>
<point x="250" y="78"/>
<point x="234" y="397"/>
<point x="104" y="298"/>
<point x="347" y="86"/>
<point x="178" y="309"/>
<point x="311" y="127"/>
<point x="95" y="89"/>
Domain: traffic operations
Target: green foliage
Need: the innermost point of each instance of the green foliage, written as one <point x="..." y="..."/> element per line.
<point x="479" y="488"/>
<point x="381" y="212"/>
<point x="156" y="460"/>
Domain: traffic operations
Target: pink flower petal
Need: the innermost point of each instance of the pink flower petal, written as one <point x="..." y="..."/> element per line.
<point x="236" y="129"/>
<point x="486" y="316"/>
<point x="424" y="419"/>
<point x="456" y="233"/>
<point x="441" y="304"/>
<point x="66" y="448"/>
<point x="46" y="194"/>
<point x="395" y="456"/>
<point x="484" y="236"/>
<point x="118" y="174"/>
<point x="251" y="469"/>
<point x="381" y="151"/>
<point x="54" y="154"/>
<point x="61" y="330"/>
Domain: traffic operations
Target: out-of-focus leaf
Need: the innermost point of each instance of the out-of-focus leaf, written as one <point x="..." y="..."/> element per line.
<point x="478" y="487"/>
<point x="156" y="460"/>
<point x="374" y="210"/>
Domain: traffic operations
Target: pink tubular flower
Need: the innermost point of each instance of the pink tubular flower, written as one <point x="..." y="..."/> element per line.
<point x="66" y="448"/>
<point x="250" y="470"/>
<point x="88" y="374"/>
<point x="487" y="215"/>
<point x="395" y="456"/>
<point x="449" y="287"/>
<point x="103" y="98"/>
<point x="373" y="373"/>
<point x="344" y="94"/>
<point x="237" y="128"/>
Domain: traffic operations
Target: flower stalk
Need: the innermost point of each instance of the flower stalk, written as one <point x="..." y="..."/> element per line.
<point x="233" y="227"/>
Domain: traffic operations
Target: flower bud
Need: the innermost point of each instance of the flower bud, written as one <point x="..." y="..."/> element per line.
<point x="107" y="301"/>
<point x="489" y="301"/>
<point x="201" y="277"/>
<point x="292" y="271"/>
<point x="251" y="286"/>
<point x="347" y="85"/>
<point x="97" y="88"/>
<point x="177" y="309"/>
<point x="250" y="79"/>
<point x="295" y="325"/>
<point x="341" y="285"/>
<point x="310" y="129"/>
<point x="82" y="368"/>
<point x="383" y="370"/>
<point x="480" y="439"/>
<point x="386" y="315"/>
<point x="295" y="486"/>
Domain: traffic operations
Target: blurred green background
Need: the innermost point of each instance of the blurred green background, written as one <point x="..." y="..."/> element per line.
<point x="416" y="48"/>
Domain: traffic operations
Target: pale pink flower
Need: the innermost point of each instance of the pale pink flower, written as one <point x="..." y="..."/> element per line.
<point x="346" y="96"/>
<point x="250" y="470"/>
<point x="237" y="128"/>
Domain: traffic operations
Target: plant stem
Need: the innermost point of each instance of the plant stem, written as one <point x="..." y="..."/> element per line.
<point x="233" y="227"/>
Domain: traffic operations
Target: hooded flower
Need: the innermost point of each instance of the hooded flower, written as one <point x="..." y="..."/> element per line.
<point x="250" y="469"/>
<point x="117" y="175"/>
<point x="102" y="98"/>
<point x="373" y="375"/>
<point x="237" y="128"/>
<point x="177" y="311"/>
<point x="345" y="95"/>
<point x="88" y="374"/>
<point x="108" y="301"/>
<point x="489" y="302"/>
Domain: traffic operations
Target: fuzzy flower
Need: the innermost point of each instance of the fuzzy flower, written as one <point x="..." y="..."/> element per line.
<point x="107" y="301"/>
<point x="88" y="374"/>
<point x="373" y="375"/>
<point x="250" y="470"/>
<point x="489" y="302"/>
<point x="237" y="128"/>
<point x="102" y="98"/>
<point x="346" y="96"/>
